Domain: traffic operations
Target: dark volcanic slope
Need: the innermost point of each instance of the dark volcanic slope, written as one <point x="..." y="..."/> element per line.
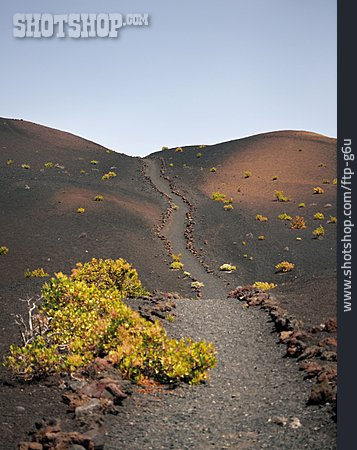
<point x="300" y="161"/>
<point x="40" y="226"/>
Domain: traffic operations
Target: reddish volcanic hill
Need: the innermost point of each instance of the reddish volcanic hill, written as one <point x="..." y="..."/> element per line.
<point x="248" y="172"/>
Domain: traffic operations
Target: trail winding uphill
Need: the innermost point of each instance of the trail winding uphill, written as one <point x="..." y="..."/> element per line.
<point x="254" y="398"/>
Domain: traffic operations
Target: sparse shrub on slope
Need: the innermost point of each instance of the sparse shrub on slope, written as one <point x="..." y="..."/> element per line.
<point x="218" y="196"/>
<point x="319" y="232"/>
<point x="264" y="285"/>
<point x="318" y="190"/>
<point x="298" y="223"/>
<point x="279" y="195"/>
<point x="319" y="216"/>
<point x="284" y="267"/>
<point x="227" y="267"/>
<point x="36" y="273"/>
<point x="285" y="216"/>
<point x="261" y="218"/>
<point x="85" y="318"/>
<point x="109" y="175"/>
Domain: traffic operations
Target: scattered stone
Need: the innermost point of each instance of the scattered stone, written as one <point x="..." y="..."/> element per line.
<point x="295" y="423"/>
<point x="321" y="394"/>
<point x="280" y="420"/>
<point x="330" y="326"/>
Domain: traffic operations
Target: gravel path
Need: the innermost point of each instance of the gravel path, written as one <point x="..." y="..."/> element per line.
<point x="251" y="393"/>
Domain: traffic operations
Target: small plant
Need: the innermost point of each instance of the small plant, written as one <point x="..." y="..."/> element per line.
<point x="284" y="267"/>
<point x="333" y="219"/>
<point x="81" y="210"/>
<point x="261" y="218"/>
<point x="176" y="257"/>
<point x="319" y="216"/>
<point x="170" y="318"/>
<point x="10" y="162"/>
<point x="3" y="250"/>
<point x="187" y="274"/>
<point x="198" y="155"/>
<point x="98" y="198"/>
<point x="334" y="181"/>
<point x="179" y="150"/>
<point x="26" y="166"/>
<point x="213" y="169"/>
<point x="274" y="178"/>
<point x="227" y="268"/>
<point x="321" y="165"/>
<point x="319" y="232"/>
<point x="228" y="207"/>
<point x="48" y="165"/>
<point x="301" y="205"/>
<point x="247" y="174"/>
<point x="298" y="223"/>
<point x="279" y="195"/>
<point x="175" y="207"/>
<point x="264" y="285"/>
<point x="325" y="182"/>
<point x="94" y="162"/>
<point x="201" y="146"/>
<point x="318" y="190"/>
<point x="171" y="165"/>
<point x="299" y="238"/>
<point x="36" y="273"/>
<point x="176" y="265"/>
<point x="239" y="189"/>
<point x="285" y="216"/>
<point x="164" y="147"/>
<point x="261" y="238"/>
<point x="218" y="196"/>
<point x="109" y="175"/>
<point x="197" y="285"/>
<point x="176" y="262"/>
<point x="82" y="171"/>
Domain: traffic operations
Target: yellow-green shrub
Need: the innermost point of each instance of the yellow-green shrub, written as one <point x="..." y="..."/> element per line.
<point x="108" y="274"/>
<point x="109" y="175"/>
<point x="284" y="266"/>
<point x="36" y="273"/>
<point x="89" y="319"/>
<point x="261" y="218"/>
<point x="279" y="195"/>
<point x="3" y="250"/>
<point x="298" y="223"/>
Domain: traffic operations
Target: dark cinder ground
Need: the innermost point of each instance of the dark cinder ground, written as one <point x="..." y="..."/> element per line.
<point x="253" y="388"/>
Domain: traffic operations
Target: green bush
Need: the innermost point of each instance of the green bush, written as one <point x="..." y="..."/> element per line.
<point x="284" y="216"/>
<point x="3" y="250"/>
<point x="36" y="273"/>
<point x="87" y="318"/>
<point x="279" y="195"/>
<point x="98" y="198"/>
<point x="218" y="196"/>
<point x="108" y="274"/>
<point x="176" y="265"/>
<point x="48" y="165"/>
<point x="247" y="174"/>
<point x="109" y="175"/>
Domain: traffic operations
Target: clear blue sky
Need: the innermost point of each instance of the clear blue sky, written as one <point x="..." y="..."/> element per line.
<point x="204" y="71"/>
